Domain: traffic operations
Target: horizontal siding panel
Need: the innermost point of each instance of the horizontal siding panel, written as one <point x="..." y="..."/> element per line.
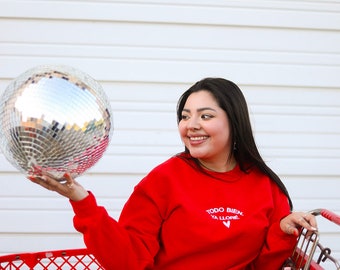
<point x="129" y="120"/>
<point x="305" y="166"/>
<point x="258" y="96"/>
<point x="313" y="189"/>
<point x="111" y="164"/>
<point x="297" y="123"/>
<point x="36" y="242"/>
<point x="144" y="92"/>
<point x="315" y="203"/>
<point x="184" y="72"/>
<point x="118" y="164"/>
<point x="158" y="148"/>
<point x="199" y="12"/>
<point x="299" y="143"/>
<point x="311" y="98"/>
<point x="41" y="221"/>
<point x="54" y="204"/>
<point x="291" y="110"/>
<point x="114" y="52"/>
<point x="37" y="221"/>
<point x="113" y="186"/>
<point x="169" y="36"/>
<point x="204" y="54"/>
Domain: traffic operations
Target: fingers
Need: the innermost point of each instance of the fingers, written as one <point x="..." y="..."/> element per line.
<point x="311" y="220"/>
<point x="69" y="180"/>
<point x="68" y="188"/>
<point x="291" y="230"/>
<point x="308" y="221"/>
<point x="42" y="181"/>
<point x="50" y="183"/>
<point x="293" y="223"/>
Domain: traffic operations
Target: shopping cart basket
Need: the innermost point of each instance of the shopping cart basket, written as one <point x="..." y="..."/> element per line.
<point x="308" y="253"/>
<point x="72" y="259"/>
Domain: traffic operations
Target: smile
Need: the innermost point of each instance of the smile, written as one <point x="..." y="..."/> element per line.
<point x="200" y="138"/>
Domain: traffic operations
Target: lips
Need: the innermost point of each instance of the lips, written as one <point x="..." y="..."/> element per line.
<point x="198" y="138"/>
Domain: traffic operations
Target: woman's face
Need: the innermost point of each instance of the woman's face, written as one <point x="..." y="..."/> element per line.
<point x="204" y="129"/>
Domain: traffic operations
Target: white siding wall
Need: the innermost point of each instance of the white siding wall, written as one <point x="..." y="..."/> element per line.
<point x="285" y="55"/>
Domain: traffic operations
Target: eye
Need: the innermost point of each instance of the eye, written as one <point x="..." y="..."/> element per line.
<point x="184" y="117"/>
<point x="206" y="116"/>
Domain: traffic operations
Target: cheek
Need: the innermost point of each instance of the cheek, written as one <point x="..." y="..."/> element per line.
<point x="221" y="133"/>
<point x="182" y="129"/>
<point x="225" y="137"/>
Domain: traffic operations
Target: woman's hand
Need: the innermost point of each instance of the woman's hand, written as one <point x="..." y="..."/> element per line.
<point x="292" y="223"/>
<point x="68" y="188"/>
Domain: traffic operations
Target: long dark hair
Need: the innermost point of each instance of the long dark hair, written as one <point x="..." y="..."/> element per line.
<point x="230" y="98"/>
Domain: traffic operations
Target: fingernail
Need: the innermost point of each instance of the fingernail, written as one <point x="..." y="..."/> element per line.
<point x="296" y="233"/>
<point x="313" y="228"/>
<point x="31" y="177"/>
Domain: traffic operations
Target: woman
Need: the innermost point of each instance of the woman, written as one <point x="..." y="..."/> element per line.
<point x="217" y="205"/>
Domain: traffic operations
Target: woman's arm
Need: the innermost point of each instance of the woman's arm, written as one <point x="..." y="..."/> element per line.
<point x="115" y="245"/>
<point x="282" y="233"/>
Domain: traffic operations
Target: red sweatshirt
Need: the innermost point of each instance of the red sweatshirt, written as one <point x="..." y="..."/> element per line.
<point x="180" y="218"/>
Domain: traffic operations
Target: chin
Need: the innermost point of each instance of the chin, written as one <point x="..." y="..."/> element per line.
<point x="196" y="155"/>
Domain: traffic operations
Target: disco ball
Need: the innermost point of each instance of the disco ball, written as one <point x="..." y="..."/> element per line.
<point x="54" y="119"/>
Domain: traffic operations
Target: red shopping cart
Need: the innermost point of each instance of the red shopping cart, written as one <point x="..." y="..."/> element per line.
<point x="309" y="253"/>
<point x="72" y="259"/>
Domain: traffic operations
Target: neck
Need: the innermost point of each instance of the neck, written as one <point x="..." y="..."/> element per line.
<point x="215" y="167"/>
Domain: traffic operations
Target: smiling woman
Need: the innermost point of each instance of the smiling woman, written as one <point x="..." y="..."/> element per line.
<point x="285" y="56"/>
<point x="211" y="186"/>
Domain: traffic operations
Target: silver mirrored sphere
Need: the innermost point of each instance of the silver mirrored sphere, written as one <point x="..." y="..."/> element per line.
<point x="54" y="119"/>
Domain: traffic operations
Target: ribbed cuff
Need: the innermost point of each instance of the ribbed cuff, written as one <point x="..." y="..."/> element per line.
<point x="85" y="207"/>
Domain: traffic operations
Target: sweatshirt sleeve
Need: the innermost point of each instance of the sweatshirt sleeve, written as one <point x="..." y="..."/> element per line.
<point x="114" y="245"/>
<point x="278" y="245"/>
<point x="276" y="249"/>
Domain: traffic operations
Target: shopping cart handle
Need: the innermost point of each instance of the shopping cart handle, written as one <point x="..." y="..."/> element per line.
<point x="327" y="214"/>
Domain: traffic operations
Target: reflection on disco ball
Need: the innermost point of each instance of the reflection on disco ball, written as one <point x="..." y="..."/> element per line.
<point x="54" y="119"/>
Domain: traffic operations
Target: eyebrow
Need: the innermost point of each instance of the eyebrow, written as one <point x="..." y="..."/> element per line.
<point x="201" y="109"/>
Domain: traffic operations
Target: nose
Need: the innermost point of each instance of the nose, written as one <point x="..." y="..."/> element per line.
<point x="193" y="123"/>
